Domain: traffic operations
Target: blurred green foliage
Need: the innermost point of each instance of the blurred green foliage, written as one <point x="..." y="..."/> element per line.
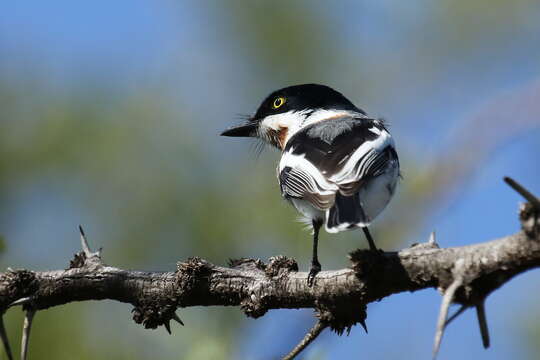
<point x="155" y="185"/>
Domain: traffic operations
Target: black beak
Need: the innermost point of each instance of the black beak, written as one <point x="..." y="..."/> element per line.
<point x="246" y="130"/>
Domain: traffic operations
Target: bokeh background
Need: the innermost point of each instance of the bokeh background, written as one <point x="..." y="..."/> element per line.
<point x="109" y="117"/>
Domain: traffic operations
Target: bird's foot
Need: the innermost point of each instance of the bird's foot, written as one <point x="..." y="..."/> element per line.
<point x="315" y="269"/>
<point x="377" y="251"/>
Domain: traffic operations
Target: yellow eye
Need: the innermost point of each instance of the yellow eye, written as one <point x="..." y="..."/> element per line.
<point x="278" y="102"/>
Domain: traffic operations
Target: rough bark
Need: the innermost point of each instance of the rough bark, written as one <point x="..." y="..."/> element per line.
<point x="339" y="297"/>
<point x="259" y="287"/>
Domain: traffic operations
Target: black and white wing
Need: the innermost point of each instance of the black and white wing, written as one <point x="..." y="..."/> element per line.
<point x="345" y="168"/>
<point x="299" y="179"/>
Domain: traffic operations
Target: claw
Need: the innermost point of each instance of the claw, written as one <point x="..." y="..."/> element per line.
<point x="26" y="333"/>
<point x="177" y="319"/>
<point x="315" y="269"/>
<point x="311" y="277"/>
<point x="5" y="339"/>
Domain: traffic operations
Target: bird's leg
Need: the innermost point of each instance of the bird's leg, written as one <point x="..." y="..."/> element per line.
<point x="315" y="264"/>
<point x="372" y="246"/>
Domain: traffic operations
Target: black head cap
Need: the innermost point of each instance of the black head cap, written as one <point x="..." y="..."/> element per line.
<point x="304" y="97"/>
<point x="295" y="98"/>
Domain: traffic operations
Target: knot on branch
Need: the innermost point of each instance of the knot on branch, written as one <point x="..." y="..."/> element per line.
<point x="430" y="245"/>
<point x="17" y="284"/>
<point x="475" y="291"/>
<point x="190" y="273"/>
<point x="257" y="303"/>
<point x="247" y="264"/>
<point x="342" y="315"/>
<point x="82" y="260"/>
<point x="86" y="258"/>
<point x="529" y="217"/>
<point x="366" y="262"/>
<point x="254" y="306"/>
<point x="279" y="265"/>
<point x="77" y="261"/>
<point x="152" y="315"/>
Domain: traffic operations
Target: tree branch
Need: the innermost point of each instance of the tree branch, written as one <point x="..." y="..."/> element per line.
<point x="339" y="297"/>
<point x="308" y="339"/>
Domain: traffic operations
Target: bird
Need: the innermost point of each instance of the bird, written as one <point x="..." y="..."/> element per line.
<point x="339" y="167"/>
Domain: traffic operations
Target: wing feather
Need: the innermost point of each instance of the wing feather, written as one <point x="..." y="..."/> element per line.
<point x="317" y="168"/>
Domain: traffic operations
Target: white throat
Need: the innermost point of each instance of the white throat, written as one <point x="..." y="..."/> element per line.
<point x="293" y="121"/>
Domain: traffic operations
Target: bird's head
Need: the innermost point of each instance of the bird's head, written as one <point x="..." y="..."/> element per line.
<point x="287" y="110"/>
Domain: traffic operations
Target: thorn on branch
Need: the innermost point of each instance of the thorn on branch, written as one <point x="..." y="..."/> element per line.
<point x="84" y="242"/>
<point x="363" y="323"/>
<point x="430" y="244"/>
<point x="529" y="213"/>
<point x="482" y="322"/>
<point x="339" y="317"/>
<point x="21" y="301"/>
<point x="167" y="325"/>
<point x="456" y="314"/>
<point x="85" y="257"/>
<point x="86" y="249"/>
<point x="5" y="339"/>
<point x="431" y="240"/>
<point x="443" y="313"/>
<point x="533" y="200"/>
<point x="308" y="339"/>
<point x="26" y="332"/>
<point x="177" y="319"/>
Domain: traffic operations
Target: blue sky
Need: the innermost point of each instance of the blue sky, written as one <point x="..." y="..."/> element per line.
<point x="428" y="91"/>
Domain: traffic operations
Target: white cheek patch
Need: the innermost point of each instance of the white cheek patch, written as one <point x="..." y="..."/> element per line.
<point x="293" y="121"/>
<point x="288" y="120"/>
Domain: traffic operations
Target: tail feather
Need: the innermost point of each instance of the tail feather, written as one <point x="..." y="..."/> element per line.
<point x="346" y="213"/>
